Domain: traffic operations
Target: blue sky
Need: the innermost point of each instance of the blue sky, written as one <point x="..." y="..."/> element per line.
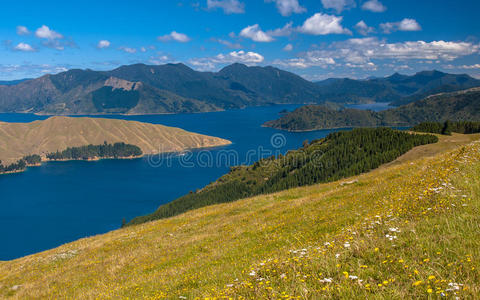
<point x="316" y="39"/>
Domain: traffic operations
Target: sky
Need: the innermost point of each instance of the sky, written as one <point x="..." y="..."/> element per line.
<point x="316" y="39"/>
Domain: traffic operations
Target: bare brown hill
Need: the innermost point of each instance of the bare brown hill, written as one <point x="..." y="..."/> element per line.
<point x="58" y="133"/>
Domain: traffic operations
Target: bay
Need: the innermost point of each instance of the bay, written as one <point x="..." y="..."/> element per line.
<point x="60" y="202"/>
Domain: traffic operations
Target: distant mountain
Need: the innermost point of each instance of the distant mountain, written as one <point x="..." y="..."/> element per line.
<point x="397" y="89"/>
<point x="170" y="88"/>
<point x="13" y="82"/>
<point x="176" y="88"/>
<point x="456" y="106"/>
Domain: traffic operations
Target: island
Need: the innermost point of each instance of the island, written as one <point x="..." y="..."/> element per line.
<point x="66" y="138"/>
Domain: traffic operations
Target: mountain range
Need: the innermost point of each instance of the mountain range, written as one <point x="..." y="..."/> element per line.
<point x="456" y="106"/>
<point x="396" y="89"/>
<point x="176" y="88"/>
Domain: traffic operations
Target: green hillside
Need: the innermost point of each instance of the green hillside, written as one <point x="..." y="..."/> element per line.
<point x="456" y="106"/>
<point x="337" y="156"/>
<point x="407" y="230"/>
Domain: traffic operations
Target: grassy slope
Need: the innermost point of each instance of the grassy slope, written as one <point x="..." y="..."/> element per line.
<point x="58" y="133"/>
<point x="286" y="244"/>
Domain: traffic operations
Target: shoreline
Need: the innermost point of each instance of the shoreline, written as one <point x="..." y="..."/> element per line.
<point x="333" y="128"/>
<point x="46" y="160"/>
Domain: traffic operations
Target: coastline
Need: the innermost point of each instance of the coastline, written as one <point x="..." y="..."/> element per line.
<point x="334" y="128"/>
<point x="92" y="159"/>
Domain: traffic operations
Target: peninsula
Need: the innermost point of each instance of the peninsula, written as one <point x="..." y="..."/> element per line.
<point x="20" y="140"/>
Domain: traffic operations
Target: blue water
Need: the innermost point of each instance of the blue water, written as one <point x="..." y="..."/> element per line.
<point x="59" y="202"/>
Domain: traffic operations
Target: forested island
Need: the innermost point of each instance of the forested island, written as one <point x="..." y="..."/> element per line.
<point x="457" y="106"/>
<point x="339" y="155"/>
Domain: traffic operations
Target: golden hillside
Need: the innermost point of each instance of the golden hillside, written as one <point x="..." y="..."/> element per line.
<point x="407" y="230"/>
<point x="58" y="133"/>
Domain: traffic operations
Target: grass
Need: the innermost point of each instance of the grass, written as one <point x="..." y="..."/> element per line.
<point x="409" y="230"/>
<point x="59" y="133"/>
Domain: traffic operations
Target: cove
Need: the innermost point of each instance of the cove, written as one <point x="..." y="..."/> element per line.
<point x="60" y="202"/>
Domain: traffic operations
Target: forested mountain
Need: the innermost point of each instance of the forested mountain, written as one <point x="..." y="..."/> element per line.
<point x="456" y="106"/>
<point x="175" y="88"/>
<point x="397" y="89"/>
<point x="169" y="88"/>
<point x="341" y="154"/>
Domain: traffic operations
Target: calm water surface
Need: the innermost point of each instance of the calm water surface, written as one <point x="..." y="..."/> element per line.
<point x="59" y="202"/>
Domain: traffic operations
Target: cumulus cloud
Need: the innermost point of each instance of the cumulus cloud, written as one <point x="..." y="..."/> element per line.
<point x="288" y="7"/>
<point x="288" y="47"/>
<point x="174" y="36"/>
<point x="404" y="25"/>
<point x="374" y="6"/>
<point x="128" y="50"/>
<point x="24" y="47"/>
<point x="22" y="30"/>
<point x="228" y="6"/>
<point x="363" y="28"/>
<point x="45" y="32"/>
<point x="211" y="63"/>
<point x="103" y="44"/>
<point x="338" y="5"/>
<point x="322" y="24"/>
<point x="255" y="33"/>
<point x="365" y="52"/>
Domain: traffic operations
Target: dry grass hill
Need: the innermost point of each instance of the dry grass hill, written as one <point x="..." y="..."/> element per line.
<point x="407" y="230"/>
<point x="58" y="133"/>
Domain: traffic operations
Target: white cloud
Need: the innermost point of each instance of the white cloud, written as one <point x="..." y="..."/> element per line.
<point x="128" y="50"/>
<point x="160" y="59"/>
<point x="322" y="24"/>
<point x="284" y="31"/>
<point x="469" y="67"/>
<point x="174" y="36"/>
<point x="288" y="47"/>
<point x="365" y="52"/>
<point x="103" y="44"/>
<point x="338" y="5"/>
<point x="46" y="33"/>
<point x="227" y="43"/>
<point x="363" y="28"/>
<point x="374" y="6"/>
<point x="404" y="25"/>
<point x="287" y="7"/>
<point x="24" y="47"/>
<point x="22" y="30"/>
<point x="211" y="63"/>
<point x="228" y="6"/>
<point x="256" y="34"/>
<point x="303" y="63"/>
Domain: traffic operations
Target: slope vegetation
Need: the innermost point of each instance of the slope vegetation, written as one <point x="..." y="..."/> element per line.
<point x="341" y="154"/>
<point x="456" y="106"/>
<point x="58" y="133"/>
<point x="409" y="230"/>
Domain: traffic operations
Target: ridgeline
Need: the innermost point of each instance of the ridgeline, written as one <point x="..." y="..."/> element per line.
<point x="456" y="106"/>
